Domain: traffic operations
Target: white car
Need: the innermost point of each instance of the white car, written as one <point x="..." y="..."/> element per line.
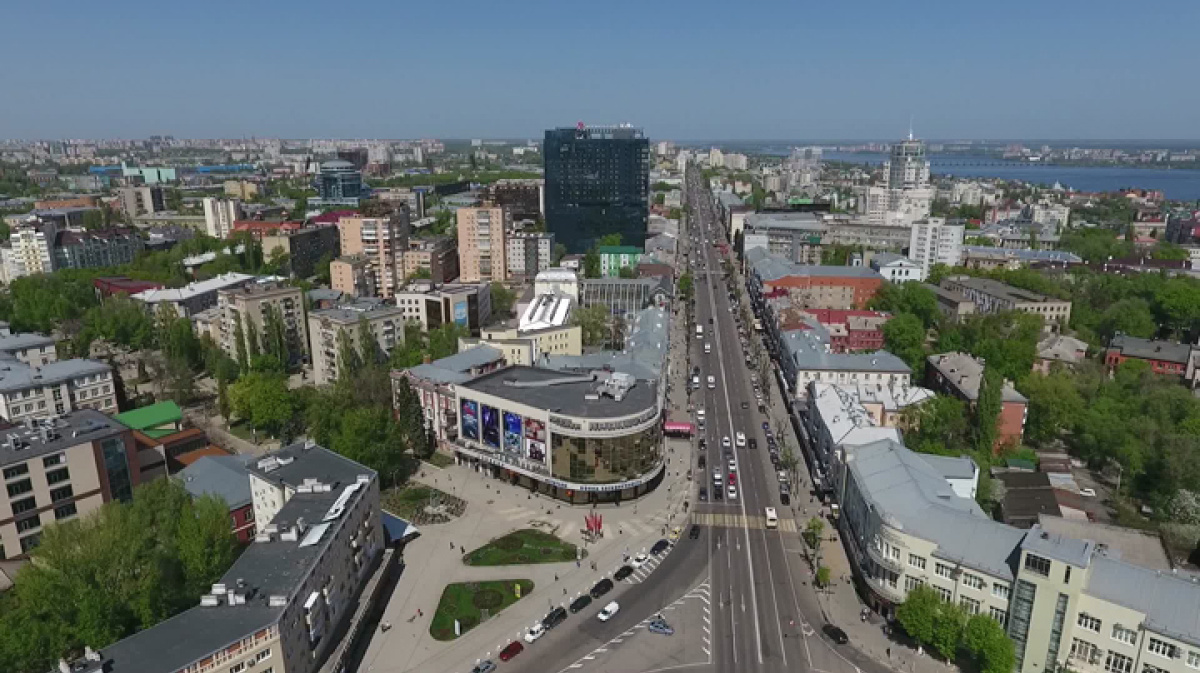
<point x="717" y="476"/>
<point x="608" y="611"/>
<point x="712" y="382"/>
<point x="724" y="442"/>
<point x="732" y="493"/>
<point x="536" y="631"/>
<point x="741" y="439"/>
<point x="639" y="560"/>
<point x="707" y="348"/>
<point x="732" y="465"/>
<point x="1087" y="492"/>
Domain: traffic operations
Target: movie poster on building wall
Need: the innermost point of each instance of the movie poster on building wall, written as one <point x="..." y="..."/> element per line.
<point x="470" y="419"/>
<point x="535" y="440"/>
<point x="512" y="433"/>
<point x="490" y="422"/>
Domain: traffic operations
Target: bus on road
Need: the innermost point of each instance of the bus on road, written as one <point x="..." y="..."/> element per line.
<point x="772" y="518"/>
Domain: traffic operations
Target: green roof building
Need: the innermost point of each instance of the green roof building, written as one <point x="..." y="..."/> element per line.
<point x="155" y="421"/>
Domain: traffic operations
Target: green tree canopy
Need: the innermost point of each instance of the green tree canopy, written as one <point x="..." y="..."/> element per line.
<point x="904" y="336"/>
<point x="263" y="400"/>
<point x="126" y="567"/>
<point x="503" y="300"/>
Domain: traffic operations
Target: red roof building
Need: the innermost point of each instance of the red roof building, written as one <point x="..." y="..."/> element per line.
<point x="260" y="228"/>
<point x="850" y="330"/>
<point x="107" y="286"/>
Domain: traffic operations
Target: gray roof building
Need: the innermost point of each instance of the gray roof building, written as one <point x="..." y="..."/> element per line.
<point x="460" y="367"/>
<point x="1151" y="349"/>
<point x="223" y="476"/>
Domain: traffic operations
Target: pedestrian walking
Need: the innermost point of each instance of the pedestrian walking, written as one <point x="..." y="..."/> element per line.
<point x="419" y="613"/>
<point x="556" y="578"/>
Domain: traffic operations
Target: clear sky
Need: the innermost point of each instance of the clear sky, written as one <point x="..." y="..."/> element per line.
<point x="689" y="69"/>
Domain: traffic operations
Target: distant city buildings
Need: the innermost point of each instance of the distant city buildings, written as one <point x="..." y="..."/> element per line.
<point x="379" y="240"/>
<point x="992" y="296"/>
<point x="141" y="200"/>
<point x="528" y="254"/>
<point x="795" y="236"/>
<point x="839" y="287"/>
<point x="597" y="183"/>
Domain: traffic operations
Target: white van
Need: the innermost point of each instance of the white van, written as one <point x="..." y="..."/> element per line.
<point x="699" y="331"/>
<point x="707" y="348"/>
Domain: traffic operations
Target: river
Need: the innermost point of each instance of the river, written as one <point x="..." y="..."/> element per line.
<point x="1178" y="184"/>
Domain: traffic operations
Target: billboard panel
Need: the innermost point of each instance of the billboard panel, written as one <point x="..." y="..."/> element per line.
<point x="470" y="419"/>
<point x="512" y="432"/>
<point x="490" y="422"/>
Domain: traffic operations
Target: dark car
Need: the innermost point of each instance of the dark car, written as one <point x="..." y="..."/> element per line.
<point x="602" y="587"/>
<point x="745" y="405"/>
<point x="581" y="603"/>
<point x="660" y="547"/>
<point x="716" y="494"/>
<point x="622" y="573"/>
<point x="785" y="498"/>
<point x="835" y="634"/>
<point x="710" y="321"/>
<point x="753" y="443"/>
<point x="557" y="616"/>
<point x="703" y="494"/>
<point x="514" y="648"/>
<point x="694" y="532"/>
<point x="702" y="461"/>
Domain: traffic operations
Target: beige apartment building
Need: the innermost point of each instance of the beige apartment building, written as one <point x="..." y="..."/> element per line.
<point x="141" y="200"/>
<point x="241" y="189"/>
<point x="294" y="596"/>
<point x="437" y="256"/>
<point x="32" y="349"/>
<point x="386" y="324"/>
<point x="381" y="241"/>
<point x="248" y="306"/>
<point x="992" y="296"/>
<point x="59" y="469"/>
<point x="1069" y="594"/>
<point x="353" y="275"/>
<point x="482" y="243"/>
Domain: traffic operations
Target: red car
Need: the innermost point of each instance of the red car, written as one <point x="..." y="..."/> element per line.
<point x="514" y="648"/>
<point x="732" y="478"/>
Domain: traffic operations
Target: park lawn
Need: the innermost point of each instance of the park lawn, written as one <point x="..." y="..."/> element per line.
<point x="521" y="547"/>
<point x="465" y="602"/>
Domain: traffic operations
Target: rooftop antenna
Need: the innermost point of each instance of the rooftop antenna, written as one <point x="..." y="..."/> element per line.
<point x="910" y="126"/>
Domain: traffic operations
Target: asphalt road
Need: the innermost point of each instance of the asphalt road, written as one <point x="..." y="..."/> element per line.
<point x="757" y="612"/>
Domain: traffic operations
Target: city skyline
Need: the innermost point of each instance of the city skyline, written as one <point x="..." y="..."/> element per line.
<point x="679" y="71"/>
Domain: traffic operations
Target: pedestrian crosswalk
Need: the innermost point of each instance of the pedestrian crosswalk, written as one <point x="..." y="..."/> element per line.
<point x="572" y="527"/>
<point x="720" y="520"/>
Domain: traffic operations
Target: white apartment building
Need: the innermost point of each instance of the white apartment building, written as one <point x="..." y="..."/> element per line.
<point x="528" y="254"/>
<point x="897" y="268"/>
<point x="30" y="250"/>
<point x="932" y="241"/>
<point x="219" y="216"/>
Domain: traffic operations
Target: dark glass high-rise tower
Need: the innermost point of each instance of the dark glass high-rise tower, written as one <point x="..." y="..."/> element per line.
<point x="597" y="183"/>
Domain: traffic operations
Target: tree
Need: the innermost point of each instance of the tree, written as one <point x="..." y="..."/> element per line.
<point x="1179" y="304"/>
<point x="239" y="338"/>
<point x="918" y="612"/>
<point x="322" y="268"/>
<point x="223" y="405"/>
<point x="812" y="532"/>
<point x="503" y="300"/>
<point x="938" y="425"/>
<point x="627" y="272"/>
<point x="594" y="323"/>
<point x="1054" y="404"/>
<point x="253" y="342"/>
<point x="984" y="640"/>
<point x="443" y="341"/>
<point x="904" y="336"/>
<point x="1129" y="316"/>
<point x="274" y="338"/>
<point x="279" y="263"/>
<point x="824" y="576"/>
<point x="947" y="630"/>
<point x="349" y="359"/>
<point x="262" y="400"/>
<point x="609" y="241"/>
<point x="560" y="251"/>
<point x="987" y="410"/>
<point x="591" y="264"/>
<point x="121" y="569"/>
<point x="181" y="381"/>
<point x="911" y="298"/>
<point x="685" y="286"/>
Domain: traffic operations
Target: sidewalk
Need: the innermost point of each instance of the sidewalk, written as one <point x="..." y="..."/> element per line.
<point x="495" y="508"/>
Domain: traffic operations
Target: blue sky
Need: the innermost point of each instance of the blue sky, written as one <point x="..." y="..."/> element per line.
<point x="693" y="69"/>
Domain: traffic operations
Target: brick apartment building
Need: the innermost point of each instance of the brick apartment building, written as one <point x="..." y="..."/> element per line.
<point x="960" y="375"/>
